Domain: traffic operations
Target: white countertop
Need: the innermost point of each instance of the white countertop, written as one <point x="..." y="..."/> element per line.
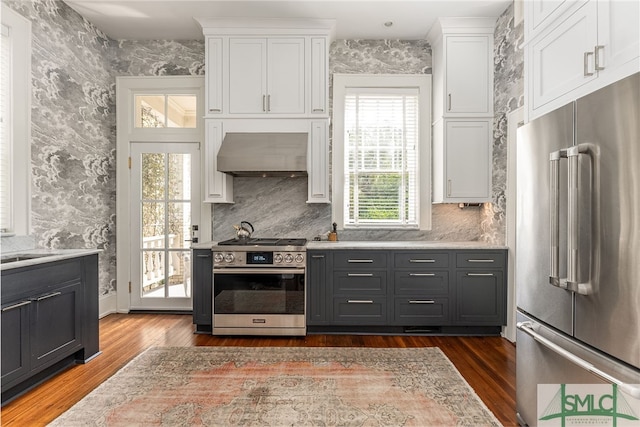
<point x="380" y="244"/>
<point x="49" y="255"/>
<point x="400" y="244"/>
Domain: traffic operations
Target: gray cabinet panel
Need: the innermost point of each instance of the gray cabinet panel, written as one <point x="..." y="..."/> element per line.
<point x="421" y="311"/>
<point x="350" y="259"/>
<point x="360" y="311"/>
<point x="367" y="282"/>
<point x="480" y="298"/>
<point x="480" y="259"/>
<point x="421" y="282"/>
<point x="15" y="341"/>
<point x="421" y="259"/>
<point x="56" y="324"/>
<point x="317" y="275"/>
<point x="202" y="287"/>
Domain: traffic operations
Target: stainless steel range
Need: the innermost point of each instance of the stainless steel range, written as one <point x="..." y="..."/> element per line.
<point x="259" y="287"/>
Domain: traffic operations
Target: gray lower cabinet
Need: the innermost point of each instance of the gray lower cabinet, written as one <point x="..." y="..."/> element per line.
<point x="49" y="320"/>
<point x="359" y="288"/>
<point x="480" y="288"/>
<point x="440" y="291"/>
<point x="203" y="290"/>
<point x="421" y="288"/>
<point x="317" y="268"/>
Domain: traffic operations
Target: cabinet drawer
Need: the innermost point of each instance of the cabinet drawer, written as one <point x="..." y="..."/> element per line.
<point x="421" y="311"/>
<point x="421" y="282"/>
<point x="417" y="260"/>
<point x="355" y="282"/>
<point x="360" y="259"/>
<point x="360" y="311"/>
<point x="482" y="259"/>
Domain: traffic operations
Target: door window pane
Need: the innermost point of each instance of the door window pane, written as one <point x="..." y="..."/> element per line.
<point x="153" y="176"/>
<point x="179" y="176"/>
<point x="179" y="224"/>
<point x="165" y="111"/>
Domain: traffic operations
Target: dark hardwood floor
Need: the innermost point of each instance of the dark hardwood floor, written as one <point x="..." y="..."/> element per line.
<point x="487" y="363"/>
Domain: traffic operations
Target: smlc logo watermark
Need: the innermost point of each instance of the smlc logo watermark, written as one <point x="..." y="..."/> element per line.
<point x="575" y="405"/>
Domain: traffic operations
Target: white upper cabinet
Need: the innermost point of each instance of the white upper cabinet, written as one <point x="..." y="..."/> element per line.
<point x="267" y="75"/>
<point x="213" y="59"/>
<point x="462" y="67"/>
<point x="580" y="47"/>
<point x="467" y="74"/>
<point x="257" y="68"/>
<point x="463" y="109"/>
<point x="319" y="75"/>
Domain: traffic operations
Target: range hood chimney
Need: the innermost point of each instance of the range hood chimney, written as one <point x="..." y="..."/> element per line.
<point x="264" y="154"/>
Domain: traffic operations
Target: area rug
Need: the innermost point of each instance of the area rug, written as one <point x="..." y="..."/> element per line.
<point x="301" y="386"/>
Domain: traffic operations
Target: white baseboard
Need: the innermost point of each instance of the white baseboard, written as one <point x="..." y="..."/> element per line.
<point x="107" y="305"/>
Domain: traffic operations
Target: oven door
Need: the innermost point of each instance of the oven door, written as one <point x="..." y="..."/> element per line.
<point x="265" y="298"/>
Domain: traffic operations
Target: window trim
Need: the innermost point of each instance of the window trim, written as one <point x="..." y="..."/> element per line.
<point x="340" y="84"/>
<point x="20" y="121"/>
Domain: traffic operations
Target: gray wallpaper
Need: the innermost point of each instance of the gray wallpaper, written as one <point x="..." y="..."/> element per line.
<point x="74" y="66"/>
<point x="508" y="96"/>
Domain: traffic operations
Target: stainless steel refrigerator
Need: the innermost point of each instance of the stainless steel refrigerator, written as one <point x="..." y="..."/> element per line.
<point x="578" y="251"/>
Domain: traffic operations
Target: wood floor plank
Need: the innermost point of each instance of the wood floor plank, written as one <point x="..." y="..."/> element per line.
<point x="487" y="363"/>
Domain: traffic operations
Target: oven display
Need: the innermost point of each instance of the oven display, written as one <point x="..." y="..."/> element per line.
<point x="259" y="257"/>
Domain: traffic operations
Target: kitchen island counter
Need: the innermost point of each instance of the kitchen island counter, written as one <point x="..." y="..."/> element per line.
<point x="32" y="257"/>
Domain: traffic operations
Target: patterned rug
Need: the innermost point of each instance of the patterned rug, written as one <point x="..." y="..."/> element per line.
<point x="306" y="386"/>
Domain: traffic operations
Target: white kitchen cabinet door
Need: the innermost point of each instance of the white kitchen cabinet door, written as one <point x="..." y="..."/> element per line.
<point x="467" y="159"/>
<point x="318" y="162"/>
<point x="218" y="185"/>
<point x="247" y="75"/>
<point x="618" y="35"/>
<point x="266" y="75"/>
<point x="319" y="72"/>
<point x="214" y="76"/>
<point x="563" y="59"/>
<point x="468" y="75"/>
<point x="285" y="76"/>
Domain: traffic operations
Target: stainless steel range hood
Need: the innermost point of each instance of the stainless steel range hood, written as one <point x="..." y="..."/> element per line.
<point x="264" y="154"/>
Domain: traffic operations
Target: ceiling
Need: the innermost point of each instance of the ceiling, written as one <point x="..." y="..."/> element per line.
<point x="355" y="19"/>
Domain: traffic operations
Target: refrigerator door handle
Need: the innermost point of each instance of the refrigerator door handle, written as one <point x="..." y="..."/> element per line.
<point x="573" y="225"/>
<point x="527" y="328"/>
<point x="554" y="217"/>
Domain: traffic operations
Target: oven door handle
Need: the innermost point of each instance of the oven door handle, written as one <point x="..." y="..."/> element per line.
<point x="232" y="270"/>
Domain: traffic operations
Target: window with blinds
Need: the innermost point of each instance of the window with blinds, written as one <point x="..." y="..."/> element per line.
<point x="6" y="223"/>
<point x="381" y="152"/>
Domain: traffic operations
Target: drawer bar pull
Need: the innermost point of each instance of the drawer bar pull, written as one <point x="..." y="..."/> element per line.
<point x="367" y="261"/>
<point x="51" y="295"/>
<point x="317" y="256"/>
<point x="480" y="274"/>
<point x="20" y="304"/>
<point x="422" y="260"/>
<point x="359" y="274"/>
<point x="422" y="274"/>
<point x="360" y="301"/>
<point x="422" y="301"/>
<point x="480" y="260"/>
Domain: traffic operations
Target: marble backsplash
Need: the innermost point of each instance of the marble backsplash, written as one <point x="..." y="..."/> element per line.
<point x="277" y="207"/>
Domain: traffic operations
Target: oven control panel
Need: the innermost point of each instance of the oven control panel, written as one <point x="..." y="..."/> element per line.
<point x="259" y="259"/>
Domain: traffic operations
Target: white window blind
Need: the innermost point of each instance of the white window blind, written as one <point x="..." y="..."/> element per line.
<point x="6" y="222"/>
<point x="381" y="139"/>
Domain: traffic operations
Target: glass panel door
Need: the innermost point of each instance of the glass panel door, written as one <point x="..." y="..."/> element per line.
<point x="165" y="212"/>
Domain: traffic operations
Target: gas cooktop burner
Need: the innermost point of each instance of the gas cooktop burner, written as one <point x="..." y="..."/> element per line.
<point x="263" y="242"/>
